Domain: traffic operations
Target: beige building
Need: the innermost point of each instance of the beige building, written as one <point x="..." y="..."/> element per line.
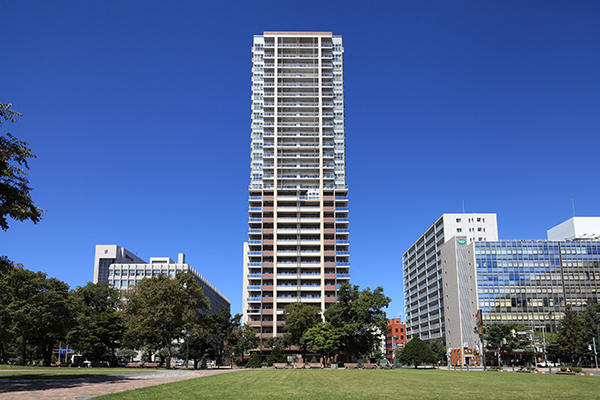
<point x="297" y="249"/>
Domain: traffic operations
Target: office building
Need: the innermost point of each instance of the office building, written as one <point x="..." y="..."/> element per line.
<point x="529" y="282"/>
<point x="298" y="246"/>
<point x="122" y="269"/>
<point x="423" y="288"/>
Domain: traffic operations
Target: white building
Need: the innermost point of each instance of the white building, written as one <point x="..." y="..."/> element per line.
<point x="422" y="270"/>
<point x="576" y="228"/>
<point x="297" y="249"/>
<point x="121" y="268"/>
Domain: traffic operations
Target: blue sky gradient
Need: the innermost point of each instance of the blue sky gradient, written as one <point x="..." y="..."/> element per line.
<point x="139" y="113"/>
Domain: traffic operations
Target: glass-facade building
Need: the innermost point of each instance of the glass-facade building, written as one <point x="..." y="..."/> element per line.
<point x="527" y="282"/>
<point x="532" y="281"/>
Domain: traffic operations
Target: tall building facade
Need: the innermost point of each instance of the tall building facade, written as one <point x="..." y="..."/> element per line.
<point x="422" y="270"/>
<point x="119" y="267"/>
<point x="298" y="246"/>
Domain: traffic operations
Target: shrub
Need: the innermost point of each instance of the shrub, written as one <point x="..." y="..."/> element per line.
<point x="577" y="370"/>
<point x="531" y="369"/>
<point x="563" y="369"/>
<point x="254" y="361"/>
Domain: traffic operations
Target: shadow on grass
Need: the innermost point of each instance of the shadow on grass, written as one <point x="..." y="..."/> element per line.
<point x="29" y="382"/>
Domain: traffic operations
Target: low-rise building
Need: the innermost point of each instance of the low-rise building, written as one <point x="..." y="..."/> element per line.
<point x="121" y="268"/>
<point x="395" y="337"/>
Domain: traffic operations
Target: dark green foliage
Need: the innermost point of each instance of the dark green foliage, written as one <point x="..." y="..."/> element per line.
<point x="568" y="335"/>
<point x="35" y="311"/>
<point x="299" y="317"/>
<point x="278" y="341"/>
<point x="244" y="338"/>
<point x="15" y="198"/>
<point x="590" y="330"/>
<point x="222" y="328"/>
<point x="359" y="318"/>
<point x="505" y="337"/>
<point x="324" y="338"/>
<point x="254" y="361"/>
<point x="99" y="326"/>
<point x="438" y="349"/>
<point x="416" y="352"/>
<point x="159" y="310"/>
<point x="276" y="356"/>
<point x="196" y="347"/>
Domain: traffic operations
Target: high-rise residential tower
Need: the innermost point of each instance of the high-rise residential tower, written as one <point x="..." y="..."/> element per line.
<point x="423" y="281"/>
<point x="297" y="249"/>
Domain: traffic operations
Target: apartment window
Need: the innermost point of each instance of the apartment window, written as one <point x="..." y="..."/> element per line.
<point x="479" y="229"/>
<point x="458" y="220"/>
<point x="458" y="230"/>
<point x="478" y="219"/>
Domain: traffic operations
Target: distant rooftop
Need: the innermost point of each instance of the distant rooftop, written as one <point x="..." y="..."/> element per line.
<point x="576" y="228"/>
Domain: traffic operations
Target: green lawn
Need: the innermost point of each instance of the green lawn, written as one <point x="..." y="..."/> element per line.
<point x="378" y="384"/>
<point x="16" y="372"/>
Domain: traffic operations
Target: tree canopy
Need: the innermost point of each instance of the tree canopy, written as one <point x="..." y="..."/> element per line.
<point x="416" y="352"/>
<point x="35" y="310"/>
<point x="299" y="317"/>
<point x="99" y="327"/>
<point x="359" y="318"/>
<point x="161" y="308"/>
<point x="15" y="197"/>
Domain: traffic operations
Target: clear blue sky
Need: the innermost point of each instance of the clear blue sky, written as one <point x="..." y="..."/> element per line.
<point x="139" y="112"/>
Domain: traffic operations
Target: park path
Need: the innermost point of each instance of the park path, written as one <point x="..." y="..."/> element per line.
<point x="88" y="387"/>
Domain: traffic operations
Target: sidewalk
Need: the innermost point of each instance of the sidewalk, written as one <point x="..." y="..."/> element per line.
<point x="83" y="388"/>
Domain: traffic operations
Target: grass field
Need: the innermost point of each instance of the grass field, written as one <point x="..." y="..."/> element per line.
<point x="16" y="372"/>
<point x="378" y="384"/>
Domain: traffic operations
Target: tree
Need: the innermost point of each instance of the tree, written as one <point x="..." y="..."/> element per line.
<point x="37" y="310"/>
<point x="222" y="329"/>
<point x="15" y="198"/>
<point x="359" y="318"/>
<point x="196" y="346"/>
<point x="323" y="337"/>
<point x="160" y="308"/>
<point x="299" y="317"/>
<point x="278" y="341"/>
<point x="244" y="338"/>
<point x="590" y="330"/>
<point x="99" y="329"/>
<point x="438" y="349"/>
<point x="276" y="356"/>
<point x="254" y="361"/>
<point x="568" y="334"/>
<point x="505" y="337"/>
<point x="416" y="352"/>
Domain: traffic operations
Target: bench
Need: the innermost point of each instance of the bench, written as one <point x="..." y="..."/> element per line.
<point x="369" y="366"/>
<point x="299" y="365"/>
<point x="314" y="365"/>
<point x="280" y="365"/>
<point x="351" y="365"/>
<point x="151" y="365"/>
<point x="133" y="365"/>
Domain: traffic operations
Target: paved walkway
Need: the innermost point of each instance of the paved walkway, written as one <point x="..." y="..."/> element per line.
<point x="85" y="388"/>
